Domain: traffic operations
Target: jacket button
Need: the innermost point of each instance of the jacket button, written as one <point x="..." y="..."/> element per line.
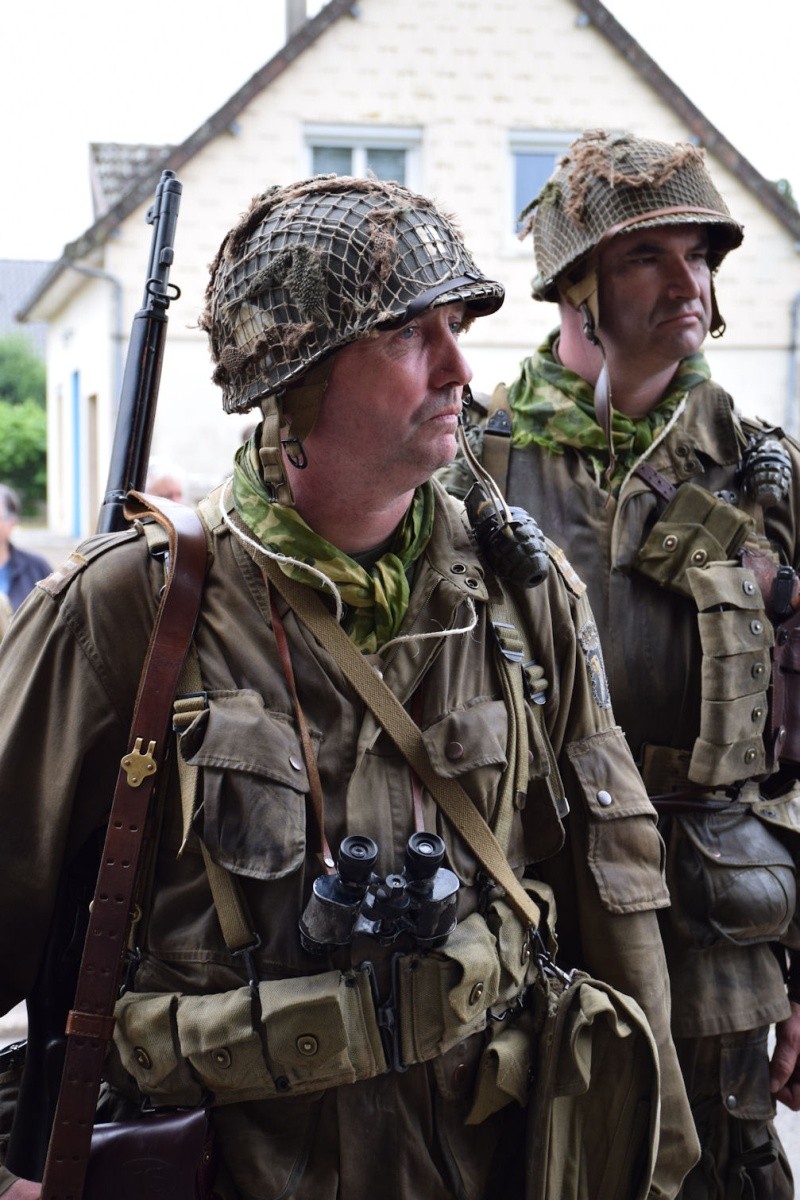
<point x="142" y="1058"/>
<point x="454" y="751"/>
<point x="295" y="763"/>
<point x="476" y="993"/>
<point x="731" y="1101"/>
<point x="605" y="798"/>
<point x="222" y="1057"/>
<point x="307" y="1044"/>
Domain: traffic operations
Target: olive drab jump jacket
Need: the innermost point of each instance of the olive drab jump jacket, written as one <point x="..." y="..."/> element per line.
<point x="659" y="665"/>
<point x="292" y="1119"/>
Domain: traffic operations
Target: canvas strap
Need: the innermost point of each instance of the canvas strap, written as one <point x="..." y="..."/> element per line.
<point x="90" y="1024"/>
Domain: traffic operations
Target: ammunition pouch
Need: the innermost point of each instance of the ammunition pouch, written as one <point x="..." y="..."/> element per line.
<point x="317" y="1031"/>
<point x="785" y="697"/>
<point x="691" y="550"/>
<point x="695" y="529"/>
<point x="731" y="877"/>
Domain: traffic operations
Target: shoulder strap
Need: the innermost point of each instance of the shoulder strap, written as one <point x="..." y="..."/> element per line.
<point x="90" y="1023"/>
<point x="382" y="702"/>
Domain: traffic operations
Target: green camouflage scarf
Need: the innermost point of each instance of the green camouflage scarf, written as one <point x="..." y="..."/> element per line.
<point x="377" y="598"/>
<point x="554" y="408"/>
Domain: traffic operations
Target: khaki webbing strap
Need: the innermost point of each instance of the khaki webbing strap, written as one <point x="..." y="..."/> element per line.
<point x="234" y="921"/>
<point x="448" y="793"/>
<point x="111" y="911"/>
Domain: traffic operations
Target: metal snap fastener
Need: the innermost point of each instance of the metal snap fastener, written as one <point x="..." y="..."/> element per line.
<point x="749" y="755"/>
<point x="605" y="798"/>
<point x="756" y="626"/>
<point x="476" y="993"/>
<point x="757" y="713"/>
<point x="731" y="1101"/>
<point x="222" y="1057"/>
<point x="454" y="751"/>
<point x="307" y="1044"/>
<point x="757" y="670"/>
<point x="459" y="1075"/>
<point x="525" y="953"/>
<point x="142" y="1058"/>
<point x="458" y="569"/>
<point x="472" y="583"/>
<point x="670" y="542"/>
<point x="748" y="587"/>
<point x="295" y="763"/>
<point x="681" y="451"/>
<point x="700" y="558"/>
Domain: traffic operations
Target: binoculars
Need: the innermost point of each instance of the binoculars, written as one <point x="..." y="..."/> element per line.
<point x="420" y="901"/>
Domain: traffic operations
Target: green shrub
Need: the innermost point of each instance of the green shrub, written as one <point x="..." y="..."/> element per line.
<point x="23" y="451"/>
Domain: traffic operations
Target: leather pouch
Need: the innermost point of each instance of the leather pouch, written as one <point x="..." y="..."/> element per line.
<point x="167" y="1156"/>
<point x="732" y="877"/>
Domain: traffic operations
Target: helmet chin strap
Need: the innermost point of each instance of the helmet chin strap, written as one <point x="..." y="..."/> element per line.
<point x="583" y="296"/>
<point x="298" y="408"/>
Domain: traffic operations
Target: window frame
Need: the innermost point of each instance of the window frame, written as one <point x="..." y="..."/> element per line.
<point x="553" y="142"/>
<point x="361" y="138"/>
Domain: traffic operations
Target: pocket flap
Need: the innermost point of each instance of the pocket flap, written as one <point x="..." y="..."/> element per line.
<point x="470" y="737"/>
<point x="241" y="735"/>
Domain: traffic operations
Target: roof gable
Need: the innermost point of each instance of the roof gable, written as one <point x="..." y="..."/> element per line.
<point x="141" y="185"/>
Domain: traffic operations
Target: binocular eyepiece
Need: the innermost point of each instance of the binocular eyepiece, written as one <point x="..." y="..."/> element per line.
<point x="420" y="901"/>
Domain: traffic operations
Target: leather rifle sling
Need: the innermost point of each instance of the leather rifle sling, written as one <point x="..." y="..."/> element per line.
<point x="401" y="728"/>
<point x="90" y="1024"/>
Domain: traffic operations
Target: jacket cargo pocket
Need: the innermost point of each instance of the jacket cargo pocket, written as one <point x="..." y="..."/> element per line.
<point x="254" y="785"/>
<point x="469" y="745"/>
<point x="625" y="850"/>
<point x="733" y="879"/>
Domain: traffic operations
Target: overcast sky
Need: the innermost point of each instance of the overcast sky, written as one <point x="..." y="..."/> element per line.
<point x="80" y="72"/>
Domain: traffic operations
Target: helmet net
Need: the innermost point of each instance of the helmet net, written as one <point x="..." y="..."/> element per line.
<point x="315" y="265"/>
<point x="605" y="182"/>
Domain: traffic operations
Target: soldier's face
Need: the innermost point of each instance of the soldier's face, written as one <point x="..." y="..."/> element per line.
<point x="655" y="295"/>
<point x="391" y="407"/>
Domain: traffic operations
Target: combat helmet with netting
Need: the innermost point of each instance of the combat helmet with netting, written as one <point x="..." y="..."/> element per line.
<point x="609" y="184"/>
<point x="320" y="263"/>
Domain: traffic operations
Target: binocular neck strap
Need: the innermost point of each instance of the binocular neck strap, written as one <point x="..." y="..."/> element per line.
<point x="382" y="702"/>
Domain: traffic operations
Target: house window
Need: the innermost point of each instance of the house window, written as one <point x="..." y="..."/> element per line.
<point x="533" y="159"/>
<point x="387" y="153"/>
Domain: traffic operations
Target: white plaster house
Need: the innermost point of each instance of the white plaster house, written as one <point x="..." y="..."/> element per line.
<point x="467" y="102"/>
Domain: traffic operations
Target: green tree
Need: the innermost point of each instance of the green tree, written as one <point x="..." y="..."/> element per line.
<point x="23" y="450"/>
<point x="22" y="373"/>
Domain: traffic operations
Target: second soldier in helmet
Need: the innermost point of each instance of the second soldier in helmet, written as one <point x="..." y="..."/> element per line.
<point x="664" y="496"/>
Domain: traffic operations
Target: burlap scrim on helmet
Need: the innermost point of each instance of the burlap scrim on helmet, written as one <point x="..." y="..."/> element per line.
<point x="609" y="183"/>
<point x="317" y="264"/>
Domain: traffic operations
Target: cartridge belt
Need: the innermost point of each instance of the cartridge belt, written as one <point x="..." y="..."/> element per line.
<point x="316" y="1031"/>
